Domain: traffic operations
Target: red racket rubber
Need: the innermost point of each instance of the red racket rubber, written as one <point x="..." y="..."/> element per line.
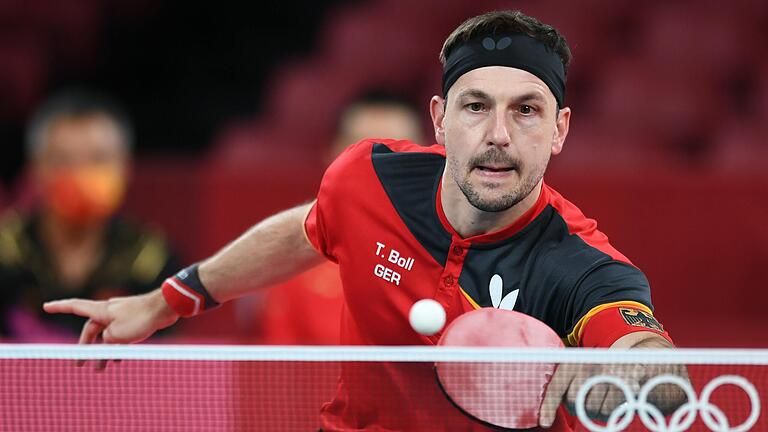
<point x="502" y="394"/>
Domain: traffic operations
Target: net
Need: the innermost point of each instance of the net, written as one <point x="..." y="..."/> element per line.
<point x="228" y="388"/>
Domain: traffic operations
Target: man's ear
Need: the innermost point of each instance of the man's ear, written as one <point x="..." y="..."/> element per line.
<point x="437" y="112"/>
<point x="561" y="130"/>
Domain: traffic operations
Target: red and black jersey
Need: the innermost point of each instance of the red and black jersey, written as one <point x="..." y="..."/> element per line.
<point x="378" y="215"/>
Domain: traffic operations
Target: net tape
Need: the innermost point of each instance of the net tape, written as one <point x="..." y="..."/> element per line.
<point x="686" y="356"/>
<point x="636" y="400"/>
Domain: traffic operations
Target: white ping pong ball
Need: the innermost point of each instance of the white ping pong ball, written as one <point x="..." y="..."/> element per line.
<point x="427" y="317"/>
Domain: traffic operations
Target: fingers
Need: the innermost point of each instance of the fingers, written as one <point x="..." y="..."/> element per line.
<point x="595" y="399"/>
<point x="109" y="338"/>
<point x="90" y="332"/>
<point x="88" y="335"/>
<point x="95" y="310"/>
<point x="613" y="398"/>
<point x="553" y="396"/>
<point x="101" y="365"/>
<point x="667" y="397"/>
<point x="116" y="334"/>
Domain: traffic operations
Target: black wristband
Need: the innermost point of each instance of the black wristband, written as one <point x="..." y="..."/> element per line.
<point x="191" y="278"/>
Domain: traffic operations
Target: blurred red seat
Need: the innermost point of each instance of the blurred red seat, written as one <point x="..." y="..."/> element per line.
<point x="595" y="146"/>
<point x="740" y="146"/>
<point x="760" y="101"/>
<point x="642" y="96"/>
<point x="23" y="74"/>
<point x="700" y="37"/>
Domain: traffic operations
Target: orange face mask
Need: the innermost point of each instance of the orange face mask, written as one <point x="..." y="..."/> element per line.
<point x="85" y="196"/>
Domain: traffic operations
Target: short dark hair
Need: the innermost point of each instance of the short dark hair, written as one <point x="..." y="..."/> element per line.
<point x="506" y="21"/>
<point x="72" y="104"/>
<point x="376" y="97"/>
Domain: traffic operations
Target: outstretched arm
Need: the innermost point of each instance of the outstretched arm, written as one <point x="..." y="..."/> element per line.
<point x="603" y="399"/>
<point x="271" y="251"/>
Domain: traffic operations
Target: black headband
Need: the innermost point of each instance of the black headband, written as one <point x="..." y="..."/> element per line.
<point x="518" y="51"/>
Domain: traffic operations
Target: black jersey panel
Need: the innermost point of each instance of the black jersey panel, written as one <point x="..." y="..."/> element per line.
<point x="512" y="259"/>
<point x="410" y="181"/>
<point x="558" y="275"/>
<point x="610" y="282"/>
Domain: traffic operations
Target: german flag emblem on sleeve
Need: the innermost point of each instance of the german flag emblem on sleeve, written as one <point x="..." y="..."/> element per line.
<point x="638" y="318"/>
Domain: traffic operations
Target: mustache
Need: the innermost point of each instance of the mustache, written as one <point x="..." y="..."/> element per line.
<point x="494" y="156"/>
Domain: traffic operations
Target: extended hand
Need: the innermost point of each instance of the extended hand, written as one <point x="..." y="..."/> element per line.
<point x="603" y="398"/>
<point x="120" y="319"/>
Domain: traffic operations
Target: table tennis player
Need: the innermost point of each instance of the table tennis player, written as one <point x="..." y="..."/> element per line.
<point x="452" y="222"/>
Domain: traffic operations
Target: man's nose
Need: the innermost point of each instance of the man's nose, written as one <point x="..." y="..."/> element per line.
<point x="499" y="133"/>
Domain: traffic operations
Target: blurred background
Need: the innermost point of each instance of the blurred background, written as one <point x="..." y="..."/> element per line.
<point x="234" y="108"/>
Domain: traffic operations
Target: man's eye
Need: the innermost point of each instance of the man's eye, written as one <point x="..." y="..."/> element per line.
<point x="526" y="109"/>
<point x="475" y="107"/>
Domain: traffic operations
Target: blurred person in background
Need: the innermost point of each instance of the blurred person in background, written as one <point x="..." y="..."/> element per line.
<point x="376" y="113"/>
<point x="73" y="242"/>
<point x="307" y="309"/>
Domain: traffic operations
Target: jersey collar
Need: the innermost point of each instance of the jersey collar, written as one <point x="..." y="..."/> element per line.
<point x="504" y="233"/>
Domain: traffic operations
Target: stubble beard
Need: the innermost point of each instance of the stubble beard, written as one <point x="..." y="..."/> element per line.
<point x="522" y="189"/>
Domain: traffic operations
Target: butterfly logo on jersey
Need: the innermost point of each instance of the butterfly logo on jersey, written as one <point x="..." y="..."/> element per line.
<point x="495" y="288"/>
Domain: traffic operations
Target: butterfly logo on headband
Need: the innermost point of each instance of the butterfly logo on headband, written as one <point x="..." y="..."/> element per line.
<point x="490" y="44"/>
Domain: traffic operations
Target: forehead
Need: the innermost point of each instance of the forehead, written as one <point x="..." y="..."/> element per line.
<point x="84" y="131"/>
<point x="501" y="82"/>
<point x="365" y="111"/>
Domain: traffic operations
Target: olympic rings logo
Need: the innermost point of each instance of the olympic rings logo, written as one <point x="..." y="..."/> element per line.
<point x="653" y="419"/>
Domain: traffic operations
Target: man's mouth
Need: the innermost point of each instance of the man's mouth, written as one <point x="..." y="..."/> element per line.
<point x="487" y="168"/>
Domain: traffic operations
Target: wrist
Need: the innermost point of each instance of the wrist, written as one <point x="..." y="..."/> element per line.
<point x="160" y="307"/>
<point x="185" y="293"/>
<point x="652" y="340"/>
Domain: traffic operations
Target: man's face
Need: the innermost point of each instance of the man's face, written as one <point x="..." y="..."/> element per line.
<point x="82" y="142"/>
<point x="376" y="121"/>
<point x="81" y="168"/>
<point x="499" y="127"/>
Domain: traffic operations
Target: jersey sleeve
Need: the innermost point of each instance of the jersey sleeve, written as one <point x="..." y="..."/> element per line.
<point x="612" y="285"/>
<point x="321" y="224"/>
<point x="314" y="228"/>
<point x="609" y="324"/>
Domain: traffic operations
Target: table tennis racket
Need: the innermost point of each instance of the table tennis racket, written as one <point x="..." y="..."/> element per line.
<point x="503" y="394"/>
